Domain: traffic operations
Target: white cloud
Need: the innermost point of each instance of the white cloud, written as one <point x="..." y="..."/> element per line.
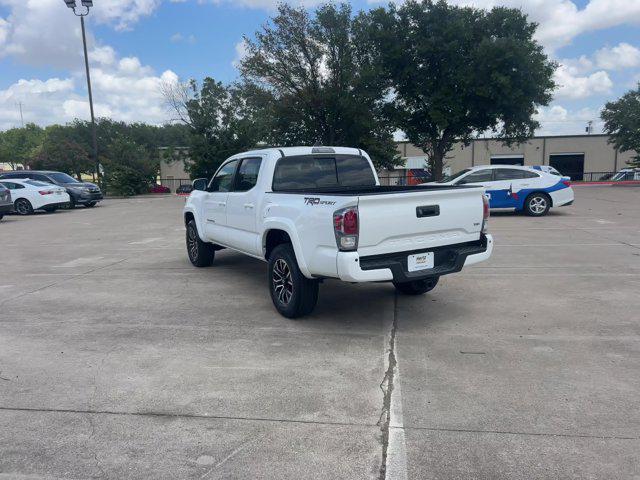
<point x="619" y="57"/>
<point x="560" y="21"/>
<point x="123" y="90"/>
<point x="557" y="120"/>
<point x="178" y="38"/>
<point x="573" y="86"/>
<point x="241" y="52"/>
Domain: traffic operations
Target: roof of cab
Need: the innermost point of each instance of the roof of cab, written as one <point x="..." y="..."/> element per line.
<point x="304" y="150"/>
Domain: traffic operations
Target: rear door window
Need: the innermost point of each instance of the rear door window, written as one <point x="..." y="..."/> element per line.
<point x="247" y="175"/>
<point x="315" y="171"/>
<point x="480" y="176"/>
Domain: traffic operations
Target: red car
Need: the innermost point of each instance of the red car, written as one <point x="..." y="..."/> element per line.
<point x="159" y="189"/>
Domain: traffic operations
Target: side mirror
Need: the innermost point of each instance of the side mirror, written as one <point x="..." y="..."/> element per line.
<point x="200" y="184"/>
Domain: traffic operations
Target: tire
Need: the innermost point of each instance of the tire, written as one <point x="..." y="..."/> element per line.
<point x="292" y="293"/>
<point x="50" y="209"/>
<point x="537" y="204"/>
<point x="22" y="206"/>
<point x="417" y="287"/>
<point x="1" y="217"/>
<point x="72" y="203"/>
<point x="201" y="254"/>
<point x="90" y="204"/>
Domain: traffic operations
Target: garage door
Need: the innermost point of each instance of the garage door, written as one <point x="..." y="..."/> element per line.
<point x="571" y="165"/>
<point x="515" y="160"/>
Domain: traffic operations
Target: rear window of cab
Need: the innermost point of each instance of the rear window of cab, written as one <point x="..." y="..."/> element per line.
<point x="322" y="171"/>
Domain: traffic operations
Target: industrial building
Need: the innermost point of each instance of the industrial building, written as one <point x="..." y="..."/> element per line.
<point x="582" y="157"/>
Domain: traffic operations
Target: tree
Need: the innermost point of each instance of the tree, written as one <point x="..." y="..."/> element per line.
<point x="314" y="79"/>
<point x="221" y="121"/>
<point x="622" y="123"/>
<point x="128" y="168"/>
<point x="17" y="145"/>
<point x="60" y="150"/>
<point x="459" y="71"/>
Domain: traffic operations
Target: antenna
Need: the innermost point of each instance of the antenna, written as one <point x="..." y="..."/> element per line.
<point x="589" y="128"/>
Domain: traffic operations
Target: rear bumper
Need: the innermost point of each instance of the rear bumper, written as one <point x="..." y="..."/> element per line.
<point x="393" y="266"/>
<point x="562" y="197"/>
<point x="88" y="198"/>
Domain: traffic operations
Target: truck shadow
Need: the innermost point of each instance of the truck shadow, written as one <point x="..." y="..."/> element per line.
<point x="338" y="302"/>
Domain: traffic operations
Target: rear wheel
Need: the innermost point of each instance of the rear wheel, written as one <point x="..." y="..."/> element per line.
<point x="72" y="203"/>
<point x="417" y="287"/>
<point x="22" y="206"/>
<point x="200" y="253"/>
<point x="537" y="204"/>
<point x="50" y="209"/>
<point x="90" y="204"/>
<point x="292" y="293"/>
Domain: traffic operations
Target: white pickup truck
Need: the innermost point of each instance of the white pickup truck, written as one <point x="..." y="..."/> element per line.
<point x="320" y="212"/>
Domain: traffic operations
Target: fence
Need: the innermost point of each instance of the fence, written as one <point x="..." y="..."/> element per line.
<point x="402" y="177"/>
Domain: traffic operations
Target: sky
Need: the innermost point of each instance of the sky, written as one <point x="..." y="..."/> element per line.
<point x="137" y="45"/>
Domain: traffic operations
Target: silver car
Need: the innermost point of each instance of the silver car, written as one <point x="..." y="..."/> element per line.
<point x="6" y="205"/>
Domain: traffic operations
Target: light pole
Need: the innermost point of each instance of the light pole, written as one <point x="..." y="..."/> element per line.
<point x="86" y="5"/>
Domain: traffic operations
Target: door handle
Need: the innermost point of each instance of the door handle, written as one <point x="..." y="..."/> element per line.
<point x="222" y="204"/>
<point x="248" y="205"/>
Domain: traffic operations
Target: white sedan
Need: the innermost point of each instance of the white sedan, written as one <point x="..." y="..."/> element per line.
<point x="522" y="189"/>
<point x="29" y="195"/>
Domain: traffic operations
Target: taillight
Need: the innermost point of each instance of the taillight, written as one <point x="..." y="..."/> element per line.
<point x="566" y="183"/>
<point x="485" y="213"/>
<point x="46" y="192"/>
<point x="345" y="226"/>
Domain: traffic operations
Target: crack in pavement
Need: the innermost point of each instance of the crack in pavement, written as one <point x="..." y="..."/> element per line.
<point x="387" y="390"/>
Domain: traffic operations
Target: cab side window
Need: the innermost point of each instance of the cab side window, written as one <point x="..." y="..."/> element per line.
<point x="247" y="175"/>
<point x="223" y="180"/>
<point x="481" y="176"/>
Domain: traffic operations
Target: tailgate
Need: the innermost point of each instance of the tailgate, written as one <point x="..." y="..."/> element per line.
<point x="406" y="221"/>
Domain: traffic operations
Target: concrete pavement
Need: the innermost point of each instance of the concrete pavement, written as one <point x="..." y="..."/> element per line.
<point x="118" y="359"/>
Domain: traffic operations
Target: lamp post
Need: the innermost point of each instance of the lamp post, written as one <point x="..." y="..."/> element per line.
<point x="83" y="12"/>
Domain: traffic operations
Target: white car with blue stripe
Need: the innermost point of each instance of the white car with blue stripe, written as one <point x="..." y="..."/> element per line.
<point x="522" y="189"/>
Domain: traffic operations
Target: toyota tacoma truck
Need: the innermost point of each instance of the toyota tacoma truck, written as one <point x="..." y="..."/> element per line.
<point x="316" y="213"/>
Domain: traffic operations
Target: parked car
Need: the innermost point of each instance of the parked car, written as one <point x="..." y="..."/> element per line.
<point x="155" y="188"/>
<point x="519" y="188"/>
<point x="184" y="189"/>
<point x="6" y="205"/>
<point x="80" y="193"/>
<point x="626" y="174"/>
<point x="546" y="169"/>
<point x="29" y="195"/>
<point x="320" y="212"/>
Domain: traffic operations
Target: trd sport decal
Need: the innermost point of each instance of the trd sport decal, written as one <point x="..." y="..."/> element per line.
<point x="317" y="201"/>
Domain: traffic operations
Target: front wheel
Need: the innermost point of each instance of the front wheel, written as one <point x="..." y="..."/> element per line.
<point x="537" y="204"/>
<point x="200" y="253"/>
<point x="293" y="294"/>
<point x="417" y="287"/>
<point x="22" y="206"/>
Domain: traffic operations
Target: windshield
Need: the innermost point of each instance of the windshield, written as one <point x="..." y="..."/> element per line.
<point x="62" y="178"/>
<point x="450" y="178"/>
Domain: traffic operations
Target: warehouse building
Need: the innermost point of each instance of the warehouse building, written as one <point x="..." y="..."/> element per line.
<point x="582" y="157"/>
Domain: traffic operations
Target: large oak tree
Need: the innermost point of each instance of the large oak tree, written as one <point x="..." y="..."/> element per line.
<point x="318" y="80"/>
<point x="460" y="71"/>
